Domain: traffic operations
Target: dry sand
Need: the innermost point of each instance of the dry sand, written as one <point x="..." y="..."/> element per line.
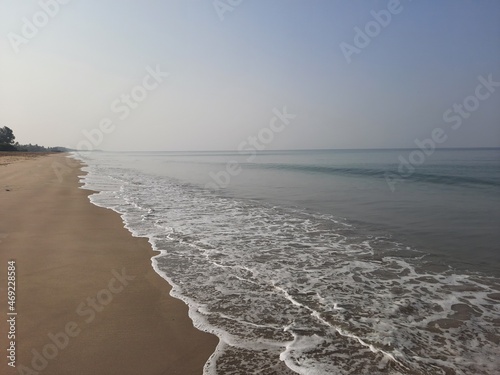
<point x="85" y="284"/>
<point x="11" y="157"/>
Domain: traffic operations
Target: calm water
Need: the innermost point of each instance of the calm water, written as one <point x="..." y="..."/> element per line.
<point x="308" y="262"/>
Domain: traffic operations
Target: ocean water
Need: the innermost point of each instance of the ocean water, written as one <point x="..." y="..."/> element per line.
<point x="313" y="262"/>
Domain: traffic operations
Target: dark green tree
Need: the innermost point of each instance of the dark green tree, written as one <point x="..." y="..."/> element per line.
<point x="7" y="135"/>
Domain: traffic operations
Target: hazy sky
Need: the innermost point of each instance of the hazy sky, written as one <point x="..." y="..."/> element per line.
<point x="75" y="66"/>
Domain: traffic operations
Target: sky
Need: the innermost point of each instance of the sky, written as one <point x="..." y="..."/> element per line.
<point x="173" y="75"/>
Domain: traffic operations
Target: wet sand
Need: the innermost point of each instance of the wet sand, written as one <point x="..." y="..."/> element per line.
<point x="87" y="298"/>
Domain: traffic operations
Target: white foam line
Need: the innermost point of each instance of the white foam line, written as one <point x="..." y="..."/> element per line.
<point x="233" y="267"/>
<point x="243" y="322"/>
<point x="199" y="312"/>
<point x="195" y="314"/>
<point x="317" y="315"/>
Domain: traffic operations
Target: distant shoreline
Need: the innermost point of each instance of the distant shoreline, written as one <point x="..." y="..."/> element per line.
<point x="294" y="150"/>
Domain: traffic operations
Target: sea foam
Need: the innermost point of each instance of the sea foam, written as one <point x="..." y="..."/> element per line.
<point x="289" y="291"/>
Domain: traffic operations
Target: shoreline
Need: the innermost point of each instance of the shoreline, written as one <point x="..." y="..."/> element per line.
<point x="87" y="297"/>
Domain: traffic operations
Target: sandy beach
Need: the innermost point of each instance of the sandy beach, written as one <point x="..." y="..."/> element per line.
<point x="87" y="298"/>
<point x="13" y="157"/>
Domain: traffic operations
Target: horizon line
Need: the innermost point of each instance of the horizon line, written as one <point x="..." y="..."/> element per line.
<point x="298" y="149"/>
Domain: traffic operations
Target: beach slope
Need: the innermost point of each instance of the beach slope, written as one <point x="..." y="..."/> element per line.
<point x="87" y="298"/>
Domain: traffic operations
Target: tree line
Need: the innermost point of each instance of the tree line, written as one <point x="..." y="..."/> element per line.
<point x="8" y="143"/>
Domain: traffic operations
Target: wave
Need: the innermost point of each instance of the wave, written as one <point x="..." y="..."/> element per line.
<point x="288" y="291"/>
<point x="378" y="173"/>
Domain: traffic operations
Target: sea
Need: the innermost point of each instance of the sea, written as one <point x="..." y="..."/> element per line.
<point x="322" y="261"/>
